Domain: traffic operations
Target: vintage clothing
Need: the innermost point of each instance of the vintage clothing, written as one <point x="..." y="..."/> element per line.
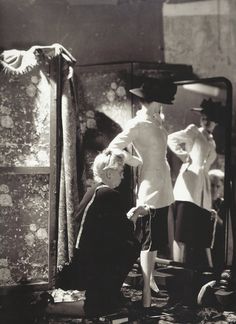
<point x="196" y="148"/>
<point x="149" y="139"/>
<point x="193" y="224"/>
<point x="154" y="187"/>
<point x="106" y="248"/>
<point x="151" y="229"/>
<point x="193" y="183"/>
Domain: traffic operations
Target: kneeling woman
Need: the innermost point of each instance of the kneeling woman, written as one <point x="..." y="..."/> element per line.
<point x="106" y="247"/>
<point x="106" y="244"/>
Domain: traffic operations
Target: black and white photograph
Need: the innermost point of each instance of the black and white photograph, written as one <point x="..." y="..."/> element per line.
<point x="117" y="161"/>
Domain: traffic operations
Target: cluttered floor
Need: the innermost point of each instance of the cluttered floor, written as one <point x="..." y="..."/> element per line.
<point x="179" y="301"/>
<point x="162" y="311"/>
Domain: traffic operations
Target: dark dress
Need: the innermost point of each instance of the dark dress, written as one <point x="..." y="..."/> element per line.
<point x="106" y="248"/>
<point x="190" y="220"/>
<point x="152" y="230"/>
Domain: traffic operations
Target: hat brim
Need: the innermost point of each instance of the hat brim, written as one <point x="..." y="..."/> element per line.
<point x="140" y="93"/>
<point x="137" y="92"/>
<point x="209" y="115"/>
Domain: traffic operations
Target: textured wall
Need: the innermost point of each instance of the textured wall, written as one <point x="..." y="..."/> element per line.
<point x="129" y="31"/>
<point x="202" y="34"/>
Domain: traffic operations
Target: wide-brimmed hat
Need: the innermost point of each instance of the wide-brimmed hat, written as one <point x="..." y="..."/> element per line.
<point x="214" y="110"/>
<point x="159" y="90"/>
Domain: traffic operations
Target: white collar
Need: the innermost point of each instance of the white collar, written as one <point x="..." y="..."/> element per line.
<point x="143" y="115"/>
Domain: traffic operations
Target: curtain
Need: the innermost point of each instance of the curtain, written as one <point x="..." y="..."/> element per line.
<point x="68" y="187"/>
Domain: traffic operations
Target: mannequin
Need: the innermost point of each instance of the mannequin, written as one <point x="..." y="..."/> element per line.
<point x="148" y="137"/>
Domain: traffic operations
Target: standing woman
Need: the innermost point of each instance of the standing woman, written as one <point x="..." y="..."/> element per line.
<point x="154" y="188"/>
<point x="196" y="147"/>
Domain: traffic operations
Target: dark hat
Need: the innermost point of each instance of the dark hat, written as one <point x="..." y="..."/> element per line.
<point x="160" y="90"/>
<point x="212" y="109"/>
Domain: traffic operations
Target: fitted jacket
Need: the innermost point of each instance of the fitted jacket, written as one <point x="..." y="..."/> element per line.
<point x="196" y="148"/>
<point x="149" y="139"/>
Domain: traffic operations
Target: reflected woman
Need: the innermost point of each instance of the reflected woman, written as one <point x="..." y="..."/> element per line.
<point x="196" y="147"/>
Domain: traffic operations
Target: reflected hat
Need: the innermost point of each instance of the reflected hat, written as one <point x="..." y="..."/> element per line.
<point x="214" y="110"/>
<point x="159" y="90"/>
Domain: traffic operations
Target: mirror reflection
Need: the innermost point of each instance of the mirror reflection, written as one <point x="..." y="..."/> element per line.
<point x="196" y="143"/>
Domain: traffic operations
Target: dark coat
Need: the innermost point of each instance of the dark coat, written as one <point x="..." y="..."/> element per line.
<point x="106" y="249"/>
<point x="103" y="227"/>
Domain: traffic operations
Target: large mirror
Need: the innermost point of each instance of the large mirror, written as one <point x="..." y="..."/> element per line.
<point x="191" y="95"/>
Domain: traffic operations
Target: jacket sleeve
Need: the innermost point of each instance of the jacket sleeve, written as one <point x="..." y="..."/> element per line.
<point x="123" y="140"/>
<point x="180" y="141"/>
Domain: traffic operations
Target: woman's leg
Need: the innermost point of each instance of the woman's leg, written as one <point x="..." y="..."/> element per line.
<point x="209" y="257"/>
<point x="147" y="262"/>
<point x="153" y="284"/>
<point x="178" y="251"/>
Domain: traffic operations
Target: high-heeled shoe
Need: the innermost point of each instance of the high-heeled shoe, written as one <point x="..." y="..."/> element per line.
<point x="158" y="294"/>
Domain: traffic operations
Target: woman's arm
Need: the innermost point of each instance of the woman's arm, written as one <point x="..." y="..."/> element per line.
<point x="123" y="140"/>
<point x="178" y="141"/>
<point x="137" y="211"/>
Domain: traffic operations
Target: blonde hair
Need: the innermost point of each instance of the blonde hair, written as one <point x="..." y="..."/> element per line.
<point x="108" y="159"/>
<point x="216" y="174"/>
